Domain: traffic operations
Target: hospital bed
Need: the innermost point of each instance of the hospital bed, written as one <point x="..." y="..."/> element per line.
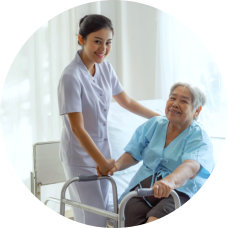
<point x="48" y="169"/>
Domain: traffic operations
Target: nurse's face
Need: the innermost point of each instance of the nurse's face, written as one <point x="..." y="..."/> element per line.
<point x="96" y="46"/>
<point x="179" y="108"/>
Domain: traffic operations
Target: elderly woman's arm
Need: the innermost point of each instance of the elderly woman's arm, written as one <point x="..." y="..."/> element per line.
<point x="124" y="162"/>
<point x="187" y="170"/>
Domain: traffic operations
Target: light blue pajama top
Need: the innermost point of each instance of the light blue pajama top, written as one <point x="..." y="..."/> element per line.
<point x="147" y="144"/>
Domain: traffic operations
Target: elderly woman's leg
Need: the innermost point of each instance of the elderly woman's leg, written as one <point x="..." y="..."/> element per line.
<point x="164" y="207"/>
<point x="135" y="212"/>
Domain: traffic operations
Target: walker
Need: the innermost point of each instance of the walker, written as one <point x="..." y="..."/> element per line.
<point x="116" y="218"/>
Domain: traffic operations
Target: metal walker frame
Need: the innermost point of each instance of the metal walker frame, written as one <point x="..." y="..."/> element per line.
<point x="117" y="216"/>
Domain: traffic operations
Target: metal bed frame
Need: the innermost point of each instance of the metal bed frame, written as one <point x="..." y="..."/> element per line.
<point x="116" y="218"/>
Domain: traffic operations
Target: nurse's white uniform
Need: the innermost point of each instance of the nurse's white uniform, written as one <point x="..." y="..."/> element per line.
<point x="78" y="91"/>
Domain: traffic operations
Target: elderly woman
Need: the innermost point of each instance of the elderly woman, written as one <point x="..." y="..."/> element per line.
<point x="176" y="154"/>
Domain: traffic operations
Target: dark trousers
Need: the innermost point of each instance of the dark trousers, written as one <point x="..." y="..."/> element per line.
<point x="137" y="211"/>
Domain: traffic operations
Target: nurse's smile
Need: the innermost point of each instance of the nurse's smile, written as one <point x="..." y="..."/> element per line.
<point x="100" y="55"/>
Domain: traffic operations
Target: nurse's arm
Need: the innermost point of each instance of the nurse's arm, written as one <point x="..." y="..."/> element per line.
<point x="87" y="143"/>
<point x="133" y="106"/>
<point x="124" y="162"/>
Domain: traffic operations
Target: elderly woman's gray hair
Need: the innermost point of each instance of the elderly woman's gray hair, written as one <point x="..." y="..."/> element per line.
<point x="198" y="97"/>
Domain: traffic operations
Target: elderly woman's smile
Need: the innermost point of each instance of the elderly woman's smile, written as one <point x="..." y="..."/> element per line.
<point x="174" y="111"/>
<point x="179" y="108"/>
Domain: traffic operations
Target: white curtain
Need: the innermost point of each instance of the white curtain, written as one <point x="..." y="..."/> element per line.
<point x="181" y="56"/>
<point x="151" y="51"/>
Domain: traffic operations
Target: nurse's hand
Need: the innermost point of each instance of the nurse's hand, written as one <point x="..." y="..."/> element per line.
<point x="103" y="169"/>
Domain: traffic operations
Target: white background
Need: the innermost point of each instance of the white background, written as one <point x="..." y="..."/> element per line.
<point x="20" y="19"/>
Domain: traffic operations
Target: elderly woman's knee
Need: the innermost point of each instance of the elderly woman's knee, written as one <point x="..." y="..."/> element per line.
<point x="131" y="208"/>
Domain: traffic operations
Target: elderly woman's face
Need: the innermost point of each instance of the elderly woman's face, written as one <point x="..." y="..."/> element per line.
<point x="179" y="109"/>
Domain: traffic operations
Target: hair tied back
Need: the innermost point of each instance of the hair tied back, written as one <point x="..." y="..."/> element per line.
<point x="82" y="19"/>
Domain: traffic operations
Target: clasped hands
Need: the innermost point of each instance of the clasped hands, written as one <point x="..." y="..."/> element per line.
<point x="108" y="168"/>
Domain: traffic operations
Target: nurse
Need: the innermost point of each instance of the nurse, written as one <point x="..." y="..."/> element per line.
<point x="85" y="91"/>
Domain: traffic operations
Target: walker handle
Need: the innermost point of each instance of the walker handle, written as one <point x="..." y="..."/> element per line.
<point x="88" y="178"/>
<point x="149" y="192"/>
<point x="145" y="192"/>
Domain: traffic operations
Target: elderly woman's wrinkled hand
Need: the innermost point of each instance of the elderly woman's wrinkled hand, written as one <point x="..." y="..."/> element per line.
<point x="162" y="188"/>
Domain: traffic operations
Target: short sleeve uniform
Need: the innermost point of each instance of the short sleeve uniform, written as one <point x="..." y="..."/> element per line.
<point x="78" y="91"/>
<point x="148" y="144"/>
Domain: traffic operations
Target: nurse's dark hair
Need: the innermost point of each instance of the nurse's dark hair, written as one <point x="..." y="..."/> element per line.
<point x="92" y="23"/>
<point x="198" y="97"/>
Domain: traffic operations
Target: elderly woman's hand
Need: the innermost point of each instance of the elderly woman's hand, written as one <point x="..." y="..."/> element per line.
<point x="187" y="170"/>
<point x="162" y="188"/>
